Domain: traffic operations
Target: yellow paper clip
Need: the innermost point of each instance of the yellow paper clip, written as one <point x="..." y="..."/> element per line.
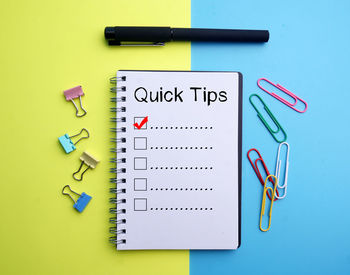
<point x="89" y="161"/>
<point x="263" y="202"/>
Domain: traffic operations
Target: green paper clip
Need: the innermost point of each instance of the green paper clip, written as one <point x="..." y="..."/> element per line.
<point x="279" y="127"/>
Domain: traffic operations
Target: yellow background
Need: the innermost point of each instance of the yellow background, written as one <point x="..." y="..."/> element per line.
<point x="47" y="47"/>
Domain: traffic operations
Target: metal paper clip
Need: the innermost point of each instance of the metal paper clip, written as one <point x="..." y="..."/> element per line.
<point x="89" y="161"/>
<point x="256" y="169"/>
<point x="289" y="104"/>
<point x="278" y="168"/>
<point x="68" y="144"/>
<point x="82" y="201"/>
<point x="279" y="127"/>
<point x="72" y="93"/>
<point x="263" y="202"/>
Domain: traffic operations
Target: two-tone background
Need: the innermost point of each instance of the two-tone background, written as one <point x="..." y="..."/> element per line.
<point x="49" y="46"/>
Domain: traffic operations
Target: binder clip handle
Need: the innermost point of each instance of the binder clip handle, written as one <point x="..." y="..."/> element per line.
<point x="82" y="130"/>
<point x="64" y="193"/>
<point x="82" y="174"/>
<point x="77" y="110"/>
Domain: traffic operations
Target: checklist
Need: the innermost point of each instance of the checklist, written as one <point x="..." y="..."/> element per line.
<point x="181" y="174"/>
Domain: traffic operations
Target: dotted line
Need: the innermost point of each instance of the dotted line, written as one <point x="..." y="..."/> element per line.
<point x="181" y="128"/>
<point x="181" y="148"/>
<point x="180" y="209"/>
<point x="181" y="189"/>
<point x="181" y="168"/>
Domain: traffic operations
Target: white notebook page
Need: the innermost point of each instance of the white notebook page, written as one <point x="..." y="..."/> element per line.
<point x="182" y="166"/>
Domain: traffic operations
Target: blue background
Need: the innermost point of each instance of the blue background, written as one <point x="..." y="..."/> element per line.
<point x="309" y="54"/>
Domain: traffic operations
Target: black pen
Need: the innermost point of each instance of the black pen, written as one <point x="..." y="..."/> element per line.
<point x="157" y="36"/>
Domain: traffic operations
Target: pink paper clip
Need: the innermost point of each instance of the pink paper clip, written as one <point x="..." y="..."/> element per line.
<point x="289" y="104"/>
<point x="72" y="93"/>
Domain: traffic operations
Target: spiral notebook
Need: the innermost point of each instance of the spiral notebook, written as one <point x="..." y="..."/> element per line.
<point x="177" y="182"/>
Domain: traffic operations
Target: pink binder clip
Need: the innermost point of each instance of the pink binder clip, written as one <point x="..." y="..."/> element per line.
<point x="289" y="104"/>
<point x="72" y="93"/>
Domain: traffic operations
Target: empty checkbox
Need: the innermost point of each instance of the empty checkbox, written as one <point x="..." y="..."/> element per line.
<point x="140" y="163"/>
<point x="140" y="143"/>
<point x="140" y="184"/>
<point x="140" y="204"/>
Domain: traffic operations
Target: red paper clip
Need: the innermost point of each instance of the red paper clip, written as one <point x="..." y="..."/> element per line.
<point x="257" y="172"/>
<point x="289" y="104"/>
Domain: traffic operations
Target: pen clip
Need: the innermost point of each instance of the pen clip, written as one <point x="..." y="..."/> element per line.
<point x="147" y="44"/>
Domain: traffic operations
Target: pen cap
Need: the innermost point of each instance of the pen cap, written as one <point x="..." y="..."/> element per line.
<point x="138" y="34"/>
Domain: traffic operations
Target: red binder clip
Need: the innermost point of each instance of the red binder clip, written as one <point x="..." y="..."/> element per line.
<point x="257" y="172"/>
<point x="281" y="88"/>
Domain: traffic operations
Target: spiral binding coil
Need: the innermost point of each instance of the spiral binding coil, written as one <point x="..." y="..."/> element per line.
<point x="118" y="199"/>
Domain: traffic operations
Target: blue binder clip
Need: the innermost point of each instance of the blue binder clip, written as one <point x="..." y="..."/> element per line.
<point x="68" y="144"/>
<point x="82" y="201"/>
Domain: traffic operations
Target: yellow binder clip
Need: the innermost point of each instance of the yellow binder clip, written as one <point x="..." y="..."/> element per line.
<point x="263" y="202"/>
<point x="89" y="161"/>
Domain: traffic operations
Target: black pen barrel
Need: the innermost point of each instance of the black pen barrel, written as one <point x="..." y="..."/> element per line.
<point x="219" y="35"/>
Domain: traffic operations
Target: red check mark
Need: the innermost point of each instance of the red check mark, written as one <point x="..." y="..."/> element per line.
<point x="143" y="122"/>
